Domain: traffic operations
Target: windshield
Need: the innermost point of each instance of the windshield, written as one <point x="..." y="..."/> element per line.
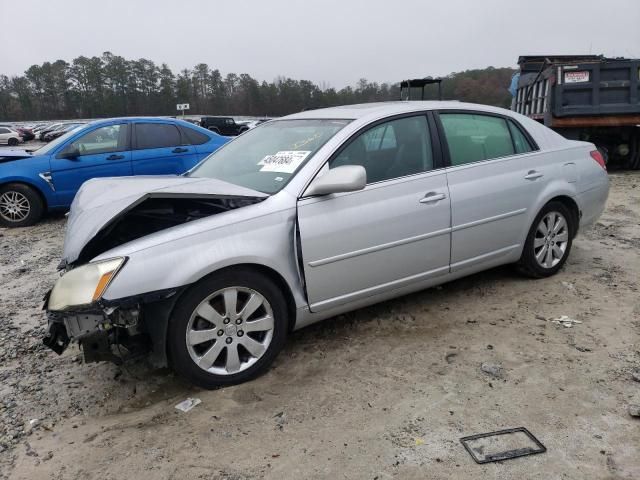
<point x="44" y="150"/>
<point x="266" y="157"/>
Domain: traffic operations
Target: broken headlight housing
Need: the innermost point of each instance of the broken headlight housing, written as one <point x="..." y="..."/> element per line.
<point x="84" y="285"/>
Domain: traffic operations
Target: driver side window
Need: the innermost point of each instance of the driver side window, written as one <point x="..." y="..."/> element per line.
<point x="390" y="150"/>
<point x="107" y="139"/>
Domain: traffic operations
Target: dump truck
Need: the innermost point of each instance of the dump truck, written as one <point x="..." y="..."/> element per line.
<point x="584" y="97"/>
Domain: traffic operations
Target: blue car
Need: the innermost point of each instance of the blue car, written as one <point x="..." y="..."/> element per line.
<point x="48" y="178"/>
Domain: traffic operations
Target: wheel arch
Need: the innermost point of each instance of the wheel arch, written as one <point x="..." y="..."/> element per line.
<point x="31" y="185"/>
<point x="158" y="330"/>
<point x="268" y="272"/>
<point x="276" y="278"/>
<point x="572" y="206"/>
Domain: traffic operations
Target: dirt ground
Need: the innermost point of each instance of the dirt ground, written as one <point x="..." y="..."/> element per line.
<point x="384" y="392"/>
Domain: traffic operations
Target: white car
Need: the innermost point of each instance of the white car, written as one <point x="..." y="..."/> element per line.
<point x="10" y="137"/>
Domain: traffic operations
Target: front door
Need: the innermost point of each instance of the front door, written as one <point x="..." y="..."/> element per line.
<point x="394" y="232"/>
<point x="102" y="152"/>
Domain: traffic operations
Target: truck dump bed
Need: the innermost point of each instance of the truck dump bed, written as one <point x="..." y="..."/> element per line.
<point x="579" y="91"/>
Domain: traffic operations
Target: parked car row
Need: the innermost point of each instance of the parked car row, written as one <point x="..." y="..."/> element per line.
<point x="225" y="125"/>
<point x="10" y="136"/>
<point x="48" y="131"/>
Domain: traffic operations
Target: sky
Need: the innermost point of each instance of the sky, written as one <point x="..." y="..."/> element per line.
<point x="331" y="42"/>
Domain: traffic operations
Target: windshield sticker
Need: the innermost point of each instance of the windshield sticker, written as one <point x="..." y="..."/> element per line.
<point x="283" y="162"/>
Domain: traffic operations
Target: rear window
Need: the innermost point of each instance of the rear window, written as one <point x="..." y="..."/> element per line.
<point x="193" y="137"/>
<point x="156" y="135"/>
<point x="521" y="142"/>
<point x="472" y="137"/>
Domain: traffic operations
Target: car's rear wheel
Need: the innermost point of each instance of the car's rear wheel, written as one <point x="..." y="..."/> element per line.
<point x="13" y="142"/>
<point x="549" y="241"/>
<point x="227" y="329"/>
<point x="20" y="205"/>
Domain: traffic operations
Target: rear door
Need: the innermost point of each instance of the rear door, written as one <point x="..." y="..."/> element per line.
<point x="101" y="152"/>
<point x="493" y="181"/>
<point x="393" y="233"/>
<point x="158" y="149"/>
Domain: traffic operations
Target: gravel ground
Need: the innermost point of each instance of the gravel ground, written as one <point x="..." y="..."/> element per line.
<point x="384" y="392"/>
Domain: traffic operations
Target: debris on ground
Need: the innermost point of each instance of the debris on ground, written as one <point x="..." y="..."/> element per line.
<point x="636" y="375"/>
<point x="566" y="321"/>
<point x="502" y="445"/>
<point x="188" y="404"/>
<point x="634" y="410"/>
<point x="493" y="369"/>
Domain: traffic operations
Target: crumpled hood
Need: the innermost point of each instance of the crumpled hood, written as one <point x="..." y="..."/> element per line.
<point x="100" y="200"/>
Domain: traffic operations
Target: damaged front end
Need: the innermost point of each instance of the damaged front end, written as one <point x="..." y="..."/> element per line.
<point x="106" y="214"/>
<point x="114" y="331"/>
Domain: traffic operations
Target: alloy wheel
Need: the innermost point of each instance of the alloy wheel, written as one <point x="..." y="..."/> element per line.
<point x="230" y="330"/>
<point x="551" y="240"/>
<point x="14" y="206"/>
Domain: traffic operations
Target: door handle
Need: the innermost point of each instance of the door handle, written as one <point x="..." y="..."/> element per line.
<point x="179" y="150"/>
<point x="533" y="175"/>
<point x="115" y="157"/>
<point x="433" y="197"/>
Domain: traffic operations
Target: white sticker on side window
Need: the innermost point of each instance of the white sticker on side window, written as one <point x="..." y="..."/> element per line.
<point x="283" y="162"/>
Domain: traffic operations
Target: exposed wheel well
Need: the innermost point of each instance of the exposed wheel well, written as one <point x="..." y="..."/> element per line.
<point x="32" y="187"/>
<point x="276" y="278"/>
<point x="573" y="208"/>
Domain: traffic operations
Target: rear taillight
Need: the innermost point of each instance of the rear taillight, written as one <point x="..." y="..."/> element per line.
<point x="597" y="156"/>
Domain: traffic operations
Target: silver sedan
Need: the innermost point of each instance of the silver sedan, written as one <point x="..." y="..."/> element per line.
<point x="309" y="216"/>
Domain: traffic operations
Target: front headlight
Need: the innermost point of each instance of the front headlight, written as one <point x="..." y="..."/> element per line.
<point x="83" y="285"/>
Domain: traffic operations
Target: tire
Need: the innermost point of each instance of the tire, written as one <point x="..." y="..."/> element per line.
<point x="20" y="205"/>
<point x="530" y="263"/>
<point x="215" y="130"/>
<point x="224" y="332"/>
<point x="13" y="142"/>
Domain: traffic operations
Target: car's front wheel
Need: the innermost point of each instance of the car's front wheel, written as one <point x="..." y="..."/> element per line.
<point x="20" y="205"/>
<point x="549" y="241"/>
<point x="227" y="329"/>
<point x="13" y="142"/>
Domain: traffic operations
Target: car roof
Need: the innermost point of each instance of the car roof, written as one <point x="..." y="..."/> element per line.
<point x="383" y="109"/>
<point x="140" y="118"/>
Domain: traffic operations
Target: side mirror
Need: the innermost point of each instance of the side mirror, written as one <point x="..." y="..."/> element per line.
<point x="347" y="178"/>
<point x="71" y="152"/>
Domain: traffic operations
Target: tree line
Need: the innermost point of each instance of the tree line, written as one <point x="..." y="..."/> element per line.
<point x="110" y="85"/>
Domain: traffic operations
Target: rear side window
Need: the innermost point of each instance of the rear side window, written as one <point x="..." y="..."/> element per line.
<point x="193" y="137"/>
<point x="472" y="137"/>
<point x="156" y="135"/>
<point x="520" y="142"/>
<point x="4" y="130"/>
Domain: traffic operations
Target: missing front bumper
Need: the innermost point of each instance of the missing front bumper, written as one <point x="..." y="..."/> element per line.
<point x="115" y="330"/>
<point x="112" y="335"/>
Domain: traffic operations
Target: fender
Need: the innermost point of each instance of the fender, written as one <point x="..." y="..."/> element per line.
<point x="207" y="252"/>
<point x="39" y="185"/>
<point x="557" y="187"/>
